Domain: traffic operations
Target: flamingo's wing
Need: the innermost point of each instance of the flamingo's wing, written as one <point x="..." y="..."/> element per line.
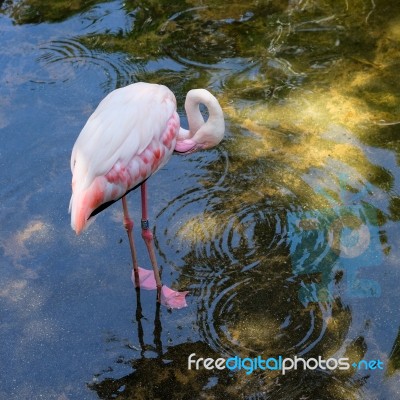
<point x="124" y="124"/>
<point x="129" y="136"/>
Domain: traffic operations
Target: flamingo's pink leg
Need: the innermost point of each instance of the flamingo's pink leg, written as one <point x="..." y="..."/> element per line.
<point x="148" y="239"/>
<point x="128" y="224"/>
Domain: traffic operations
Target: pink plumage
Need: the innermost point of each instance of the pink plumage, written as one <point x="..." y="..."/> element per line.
<point x="131" y="135"/>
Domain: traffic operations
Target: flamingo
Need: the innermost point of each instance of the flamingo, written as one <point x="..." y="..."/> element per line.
<point x="131" y="135"/>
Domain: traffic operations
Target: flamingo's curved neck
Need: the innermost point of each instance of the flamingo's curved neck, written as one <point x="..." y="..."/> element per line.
<point x="201" y="134"/>
<point x="194" y="116"/>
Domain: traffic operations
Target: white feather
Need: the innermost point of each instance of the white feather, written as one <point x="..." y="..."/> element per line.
<point x="124" y="124"/>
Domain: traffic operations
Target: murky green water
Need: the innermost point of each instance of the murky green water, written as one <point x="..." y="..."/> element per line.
<point x="286" y="235"/>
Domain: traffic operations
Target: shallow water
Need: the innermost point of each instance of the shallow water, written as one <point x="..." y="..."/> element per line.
<point x="286" y="234"/>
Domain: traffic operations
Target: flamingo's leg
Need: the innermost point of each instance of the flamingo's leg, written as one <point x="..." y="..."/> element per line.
<point x="128" y="224"/>
<point x="148" y="239"/>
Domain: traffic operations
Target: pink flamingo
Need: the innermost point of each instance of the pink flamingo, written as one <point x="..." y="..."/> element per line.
<point x="131" y="135"/>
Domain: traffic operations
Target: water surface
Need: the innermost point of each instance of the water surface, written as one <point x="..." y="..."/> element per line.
<point x="286" y="235"/>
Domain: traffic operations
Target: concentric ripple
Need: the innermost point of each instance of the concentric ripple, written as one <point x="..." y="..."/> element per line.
<point x="260" y="244"/>
<point x="65" y="58"/>
<point x="227" y="251"/>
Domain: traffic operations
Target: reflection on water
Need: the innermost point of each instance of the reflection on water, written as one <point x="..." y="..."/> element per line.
<point x="286" y="235"/>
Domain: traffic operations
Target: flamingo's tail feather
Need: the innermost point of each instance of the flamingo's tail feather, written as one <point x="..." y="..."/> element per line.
<point x="82" y="204"/>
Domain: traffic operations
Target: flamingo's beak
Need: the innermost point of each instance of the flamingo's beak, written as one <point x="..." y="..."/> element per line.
<point x="187" y="146"/>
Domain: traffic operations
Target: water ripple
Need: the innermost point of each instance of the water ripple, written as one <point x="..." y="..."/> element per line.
<point x="238" y="315"/>
<point x="242" y="229"/>
<point x="65" y="58"/>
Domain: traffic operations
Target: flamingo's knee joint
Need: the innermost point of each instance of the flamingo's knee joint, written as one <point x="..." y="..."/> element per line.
<point x="128" y="224"/>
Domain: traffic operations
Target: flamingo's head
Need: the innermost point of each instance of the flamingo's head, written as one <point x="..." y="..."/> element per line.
<point x="201" y="135"/>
